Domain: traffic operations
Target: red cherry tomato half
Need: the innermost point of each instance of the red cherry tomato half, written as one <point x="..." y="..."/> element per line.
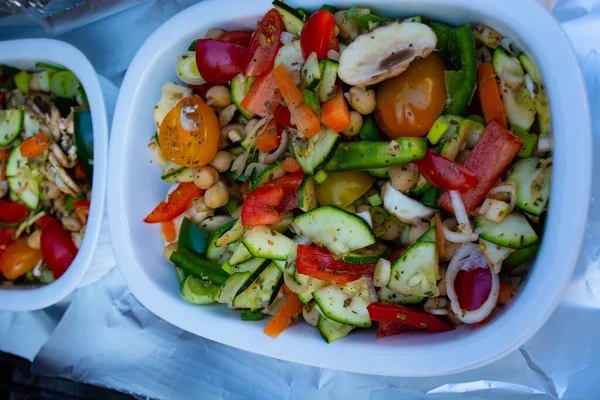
<point x="219" y="62"/>
<point x="318" y="35"/>
<point x="11" y="213"/>
<point x="259" y="206"/>
<point x="445" y="173"/>
<point x="57" y="247"/>
<point x="264" y="46"/>
<point x="473" y="287"/>
<point x="237" y="37"/>
<point x="289" y="183"/>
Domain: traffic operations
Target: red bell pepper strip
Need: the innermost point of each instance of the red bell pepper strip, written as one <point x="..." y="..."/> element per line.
<point x="495" y="150"/>
<point x="11" y="213"/>
<point x="319" y="263"/>
<point x="177" y="202"/>
<point x="445" y="173"/>
<point x="259" y="206"/>
<point x="219" y="62"/>
<point x="379" y="311"/>
<point x="318" y="35"/>
<point x="388" y="328"/>
<point x="263" y="96"/>
<point x="58" y="249"/>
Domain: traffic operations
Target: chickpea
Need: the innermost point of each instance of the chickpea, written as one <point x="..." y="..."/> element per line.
<point x="170" y="249"/>
<point x="218" y="97"/>
<point x="393" y="230"/>
<point x="356" y="122"/>
<point x="214" y="34"/>
<point x="50" y="190"/>
<point x="217" y="195"/>
<point x="348" y="28"/>
<point x="205" y="177"/>
<point x="200" y="205"/>
<point x="33" y="240"/>
<point x="403" y="177"/>
<point x="222" y="161"/>
<point x="362" y="100"/>
<point x="227" y="115"/>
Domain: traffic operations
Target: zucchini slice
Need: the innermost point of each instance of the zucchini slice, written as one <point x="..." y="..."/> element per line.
<point x="416" y="272"/>
<point x="514" y="231"/>
<point x="261" y="291"/>
<point x="11" y="125"/>
<point x="265" y="243"/>
<point x="307" y="194"/>
<point x="343" y="305"/>
<point x="292" y="19"/>
<point x="532" y="176"/>
<point x="332" y="330"/>
<point x="312" y="153"/>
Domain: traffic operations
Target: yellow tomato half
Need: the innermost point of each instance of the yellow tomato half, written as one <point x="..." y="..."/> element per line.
<point x="343" y="188"/>
<point x="189" y="134"/>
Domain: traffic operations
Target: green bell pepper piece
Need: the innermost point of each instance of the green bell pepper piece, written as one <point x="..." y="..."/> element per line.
<point x="456" y="46"/>
<point x="431" y="196"/>
<point x="369" y="130"/>
<point x="191" y="237"/>
<point x="529" y="139"/>
<point x="357" y="156"/>
<point x="198" y="266"/>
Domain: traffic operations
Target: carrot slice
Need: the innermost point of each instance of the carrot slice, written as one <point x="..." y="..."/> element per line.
<point x="303" y="117"/>
<point x="335" y="113"/>
<point x="168" y="231"/>
<point x="440" y="238"/>
<point x="34" y="145"/>
<point x="290" y="165"/>
<point x="263" y="96"/>
<point x="489" y="95"/>
<point x="291" y="308"/>
<point x="269" y="139"/>
<point x="3" y="160"/>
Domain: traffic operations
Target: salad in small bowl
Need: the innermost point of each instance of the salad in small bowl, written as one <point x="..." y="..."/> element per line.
<point x="354" y="169"/>
<point x="46" y="164"/>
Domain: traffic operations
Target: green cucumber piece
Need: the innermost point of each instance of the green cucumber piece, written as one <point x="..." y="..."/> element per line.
<point x="263" y="243"/>
<point x="312" y="153"/>
<point x="292" y="19"/>
<point x="214" y="252"/>
<point x="331" y="330"/>
<point x="232" y="286"/>
<point x="514" y="231"/>
<point x="343" y="305"/>
<point x="532" y="176"/>
<point x="239" y="87"/>
<point x="312" y="101"/>
<point x="416" y="272"/>
<point x="307" y="194"/>
<point x="27" y="190"/>
<point x="369" y="254"/>
<point x="327" y="86"/>
<point x="310" y="72"/>
<point x="50" y="67"/>
<point x="11" y="125"/>
<point x="261" y="291"/>
<point x="240" y="255"/>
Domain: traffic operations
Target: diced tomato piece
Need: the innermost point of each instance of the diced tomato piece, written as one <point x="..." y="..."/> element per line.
<point x="11" y="213"/>
<point x="289" y="183"/>
<point x="495" y="150"/>
<point x="178" y="201"/>
<point x="319" y="263"/>
<point x="264" y="96"/>
<point x="419" y="319"/>
<point x="445" y="173"/>
<point x="259" y="206"/>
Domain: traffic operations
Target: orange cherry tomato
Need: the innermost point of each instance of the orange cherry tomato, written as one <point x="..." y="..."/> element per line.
<point x="18" y="258"/>
<point x="194" y="141"/>
<point x="408" y="104"/>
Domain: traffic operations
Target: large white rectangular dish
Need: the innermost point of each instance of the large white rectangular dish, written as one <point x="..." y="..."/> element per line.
<point x="25" y="54"/>
<point x="135" y="189"/>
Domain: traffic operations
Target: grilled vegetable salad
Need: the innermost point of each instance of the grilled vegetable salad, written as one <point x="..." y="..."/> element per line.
<point x="46" y="157"/>
<point x="354" y="168"/>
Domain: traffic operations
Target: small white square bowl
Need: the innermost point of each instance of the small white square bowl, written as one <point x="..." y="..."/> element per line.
<point x="25" y="54"/>
<point x="136" y="188"/>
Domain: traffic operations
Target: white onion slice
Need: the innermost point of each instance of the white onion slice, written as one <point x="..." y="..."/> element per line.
<point x="451" y="235"/>
<point x="272" y="157"/>
<point x="436" y="306"/>
<point x="287" y="38"/>
<point x="333" y="55"/>
<point x="289" y="279"/>
<point x="276" y="304"/>
<point x="467" y="257"/>
<point x="460" y="212"/>
<point x="255" y="166"/>
<point x="372" y="293"/>
<point x="508" y="188"/>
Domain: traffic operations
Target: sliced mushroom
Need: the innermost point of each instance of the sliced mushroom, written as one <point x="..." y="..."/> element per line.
<point x="385" y="52"/>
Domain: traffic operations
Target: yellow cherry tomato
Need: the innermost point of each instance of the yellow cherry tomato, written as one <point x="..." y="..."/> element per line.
<point x="18" y="258"/>
<point x="343" y="188"/>
<point x="189" y="134"/>
<point x="408" y="104"/>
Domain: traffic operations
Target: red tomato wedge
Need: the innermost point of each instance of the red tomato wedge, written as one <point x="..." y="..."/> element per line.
<point x="219" y="62"/>
<point x="290" y="184"/>
<point x="57" y="247"/>
<point x="495" y="150"/>
<point x="178" y="201"/>
<point x="389" y="328"/>
<point x="445" y="173"/>
<point x="318" y="35"/>
<point x="319" y="263"/>
<point x="241" y="38"/>
<point x="489" y="95"/>
<point x="305" y="119"/>
<point x="416" y="318"/>
<point x="264" y="45"/>
<point x="11" y="213"/>
<point x="263" y="96"/>
<point x="259" y="206"/>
